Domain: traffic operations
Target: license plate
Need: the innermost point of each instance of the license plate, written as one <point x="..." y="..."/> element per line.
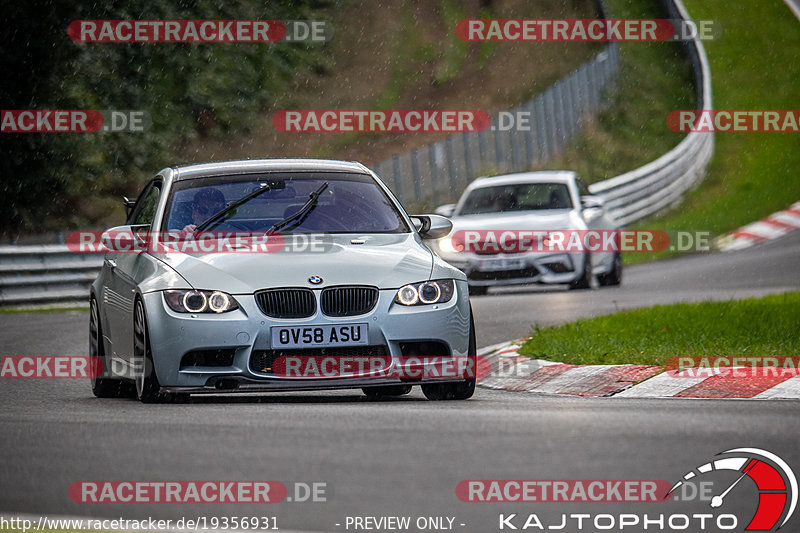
<point x="320" y="336"/>
<point x="490" y="265"/>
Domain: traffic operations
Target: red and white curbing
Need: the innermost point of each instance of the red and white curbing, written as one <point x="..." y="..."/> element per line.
<point x="771" y="227"/>
<point x="511" y="371"/>
<point x="718" y="385"/>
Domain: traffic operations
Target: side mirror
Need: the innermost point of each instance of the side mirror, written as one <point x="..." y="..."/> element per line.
<point x="432" y="226"/>
<point x="126" y="238"/>
<point x="129" y="205"/>
<point x="445" y="210"/>
<point x="592" y="202"/>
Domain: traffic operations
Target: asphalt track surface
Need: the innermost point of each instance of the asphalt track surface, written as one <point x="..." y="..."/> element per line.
<point x="404" y="456"/>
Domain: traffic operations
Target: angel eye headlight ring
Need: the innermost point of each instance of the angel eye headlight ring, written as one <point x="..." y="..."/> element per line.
<point x="429" y="292"/>
<point x="194" y="301"/>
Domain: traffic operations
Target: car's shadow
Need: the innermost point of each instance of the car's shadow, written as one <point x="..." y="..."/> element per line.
<point x="522" y="289"/>
<point x="538" y="289"/>
<point x="294" y="398"/>
<point x="327" y="397"/>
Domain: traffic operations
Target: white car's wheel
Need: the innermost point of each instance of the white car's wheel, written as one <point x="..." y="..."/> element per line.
<point x="614" y="277"/>
<point x="585" y="281"/>
<point x="477" y="290"/>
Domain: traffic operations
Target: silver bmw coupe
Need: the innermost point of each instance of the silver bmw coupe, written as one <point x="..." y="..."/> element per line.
<point x="276" y="275"/>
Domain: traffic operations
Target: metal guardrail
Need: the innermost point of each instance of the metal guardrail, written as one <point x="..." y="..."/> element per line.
<point x="45" y="274"/>
<point x="439" y="172"/>
<point x="660" y="184"/>
<point x="51" y="273"/>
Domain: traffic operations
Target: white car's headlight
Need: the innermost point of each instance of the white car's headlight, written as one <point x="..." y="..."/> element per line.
<point x="191" y="301"/>
<point x="446" y="245"/>
<point x="426" y="293"/>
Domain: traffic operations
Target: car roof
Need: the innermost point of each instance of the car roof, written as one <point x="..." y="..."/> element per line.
<point x="221" y="168"/>
<point x="543" y="176"/>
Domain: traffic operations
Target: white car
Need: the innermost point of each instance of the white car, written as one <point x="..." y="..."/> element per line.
<point x="532" y="204"/>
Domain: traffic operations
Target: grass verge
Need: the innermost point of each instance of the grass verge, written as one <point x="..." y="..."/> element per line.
<point x="654" y="79"/>
<point x="52" y="308"/>
<point x="753" y="66"/>
<point x="751" y="327"/>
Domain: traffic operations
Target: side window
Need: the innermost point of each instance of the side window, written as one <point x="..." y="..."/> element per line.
<point x="145" y="209"/>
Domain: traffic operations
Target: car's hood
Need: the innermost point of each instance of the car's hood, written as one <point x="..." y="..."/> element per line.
<point x="561" y="219"/>
<point x="385" y="261"/>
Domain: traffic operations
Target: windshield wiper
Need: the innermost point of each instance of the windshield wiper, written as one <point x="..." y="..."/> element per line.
<point x="230" y="207"/>
<point x="297" y="218"/>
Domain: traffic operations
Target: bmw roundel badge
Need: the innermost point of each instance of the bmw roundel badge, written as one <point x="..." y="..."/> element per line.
<point x="315" y="280"/>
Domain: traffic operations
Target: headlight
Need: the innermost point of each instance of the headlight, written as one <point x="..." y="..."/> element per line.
<point x="427" y="292"/>
<point x="446" y="245"/>
<point x="190" y="301"/>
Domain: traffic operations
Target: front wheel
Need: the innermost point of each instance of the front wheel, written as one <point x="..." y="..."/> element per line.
<point x="148" y="389"/>
<point x="585" y="281"/>
<point x="461" y="390"/>
<point x="476" y="290"/>
<point x="103" y="386"/>
<point x="614" y="277"/>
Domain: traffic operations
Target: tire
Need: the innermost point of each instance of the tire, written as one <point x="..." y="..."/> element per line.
<point x="103" y="386"/>
<point x="461" y="390"/>
<point x="148" y="390"/>
<point x="585" y="281"/>
<point x="375" y="393"/>
<point x="477" y="291"/>
<point x="615" y="276"/>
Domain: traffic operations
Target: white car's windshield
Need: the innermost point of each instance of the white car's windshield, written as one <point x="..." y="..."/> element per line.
<point x="351" y="203"/>
<point x="516" y="197"/>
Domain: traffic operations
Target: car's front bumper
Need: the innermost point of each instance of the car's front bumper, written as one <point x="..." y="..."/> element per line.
<point x="484" y="270"/>
<point x="246" y="331"/>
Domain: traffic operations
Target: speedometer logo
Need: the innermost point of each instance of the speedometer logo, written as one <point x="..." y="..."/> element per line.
<point x="775" y="481"/>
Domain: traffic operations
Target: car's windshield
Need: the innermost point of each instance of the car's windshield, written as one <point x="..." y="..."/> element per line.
<point x="516" y="197"/>
<point x="351" y="203"/>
